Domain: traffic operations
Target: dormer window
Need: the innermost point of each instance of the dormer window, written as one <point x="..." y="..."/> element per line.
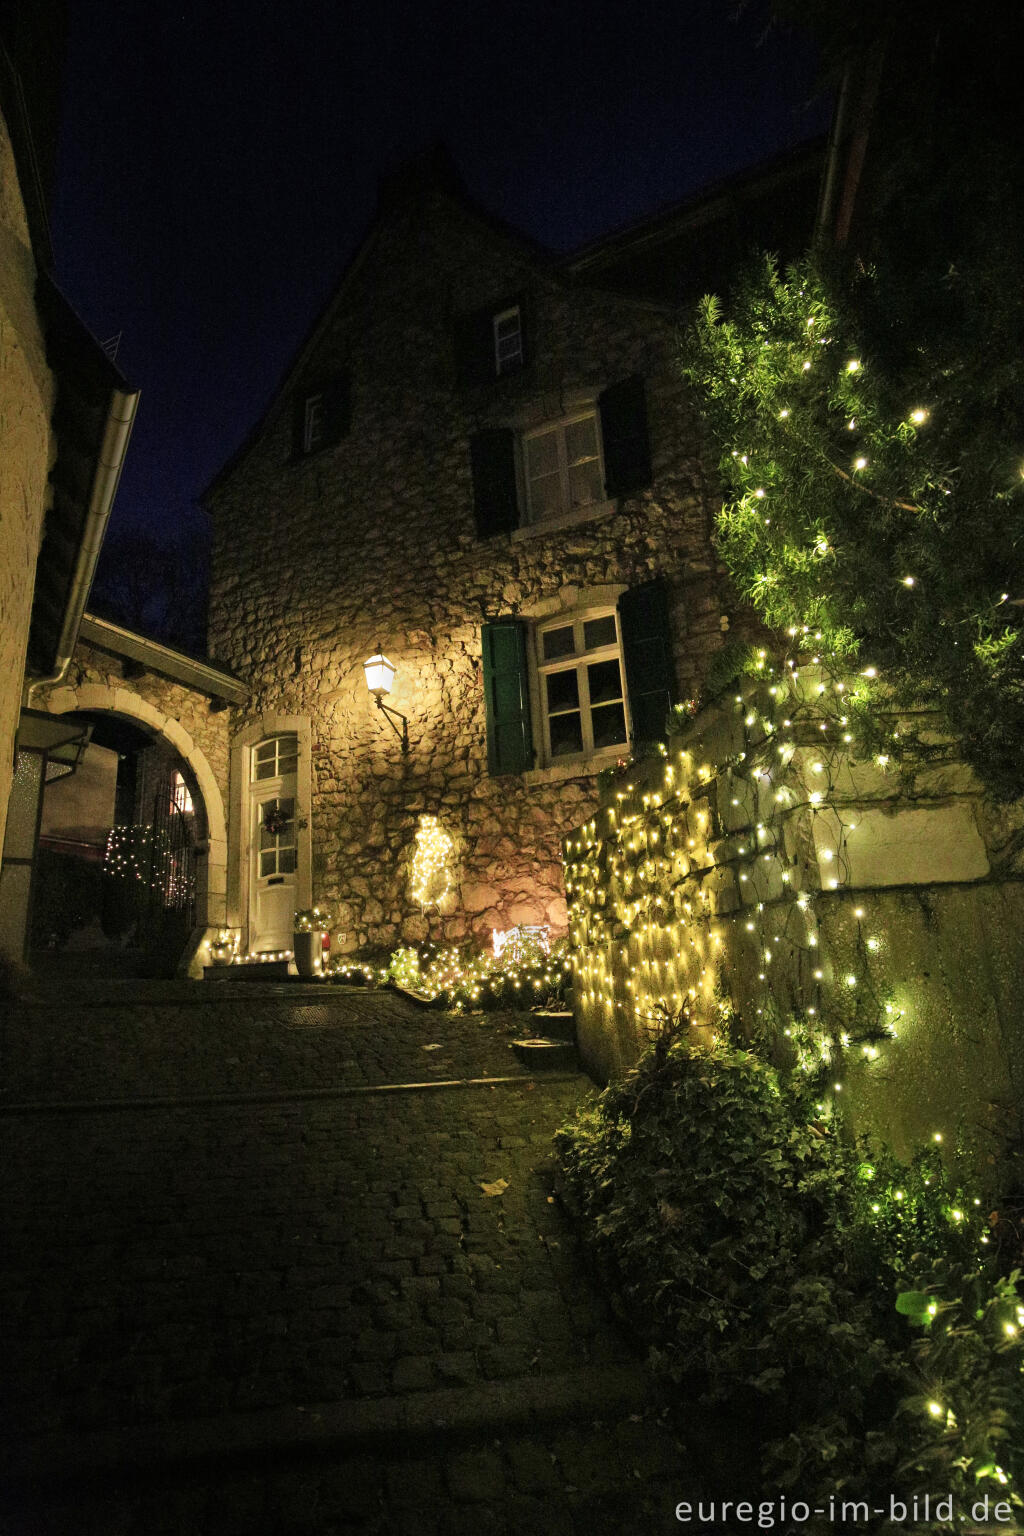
<point x="492" y="342"/>
<point x="322" y="416"/>
<point x="313" y="423"/>
<point x="508" y="340"/>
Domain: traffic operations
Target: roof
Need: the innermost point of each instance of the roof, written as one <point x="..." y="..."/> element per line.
<point x="202" y="676"/>
<point x="689" y="247"/>
<point x="669" y="257"/>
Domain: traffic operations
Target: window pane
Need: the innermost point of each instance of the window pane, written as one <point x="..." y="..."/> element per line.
<point x="507" y="324"/>
<point x="566" y="734"/>
<point x="581" y="439"/>
<point x="558" y="642"/>
<point x="287" y="765"/>
<point x="286" y="861"/>
<point x="267" y="839"/>
<point x="542" y="454"/>
<point x="585" y="483"/>
<point x="546" y="496"/>
<point x="268" y="863"/>
<point x="604" y="681"/>
<point x="264" y="750"/>
<point x="609" y="724"/>
<point x="599" y="632"/>
<point x="563" y="691"/>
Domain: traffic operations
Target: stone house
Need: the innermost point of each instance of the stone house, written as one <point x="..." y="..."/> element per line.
<point x="483" y="462"/>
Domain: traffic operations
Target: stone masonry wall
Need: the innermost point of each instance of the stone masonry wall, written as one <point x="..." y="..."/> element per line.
<point x="208" y="728"/>
<point x="868" y="918"/>
<point x="316" y="562"/>
<point x="26" y="405"/>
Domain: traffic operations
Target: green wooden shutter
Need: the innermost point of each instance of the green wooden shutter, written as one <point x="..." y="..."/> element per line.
<point x="507" y="696"/>
<point x="627" y="450"/>
<point x="493" y="461"/>
<point x="647" y="651"/>
<point x="474" y="347"/>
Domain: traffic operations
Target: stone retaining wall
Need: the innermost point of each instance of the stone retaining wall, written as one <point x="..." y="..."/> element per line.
<point x="874" y="915"/>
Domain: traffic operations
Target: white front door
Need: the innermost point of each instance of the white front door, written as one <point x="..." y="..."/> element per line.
<point x="273" y="850"/>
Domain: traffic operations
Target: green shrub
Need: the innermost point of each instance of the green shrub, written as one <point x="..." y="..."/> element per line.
<point x="761" y="1257"/>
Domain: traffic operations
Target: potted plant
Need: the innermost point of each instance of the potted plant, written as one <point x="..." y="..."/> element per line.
<point x="312" y="925"/>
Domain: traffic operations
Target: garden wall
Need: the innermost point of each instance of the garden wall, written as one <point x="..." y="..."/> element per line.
<point x="868" y="914"/>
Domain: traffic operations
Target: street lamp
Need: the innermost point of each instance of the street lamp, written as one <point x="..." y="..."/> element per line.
<point x="380" y="674"/>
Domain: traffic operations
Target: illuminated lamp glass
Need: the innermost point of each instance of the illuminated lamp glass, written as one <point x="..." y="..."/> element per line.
<point x="380" y="674"/>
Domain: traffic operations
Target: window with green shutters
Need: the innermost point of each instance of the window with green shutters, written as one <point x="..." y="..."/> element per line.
<point x="562" y="470"/>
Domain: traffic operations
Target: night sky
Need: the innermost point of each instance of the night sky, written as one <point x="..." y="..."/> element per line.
<point x="219" y="165"/>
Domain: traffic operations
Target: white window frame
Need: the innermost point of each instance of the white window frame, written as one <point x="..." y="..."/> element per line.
<point x="566" y="510"/>
<point x="578" y="662"/>
<point x="314" y="425"/>
<point x="280" y="754"/>
<point x="510" y="360"/>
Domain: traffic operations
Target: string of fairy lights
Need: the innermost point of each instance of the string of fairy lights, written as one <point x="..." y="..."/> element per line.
<point x="430" y="878"/>
<point x="729" y="868"/>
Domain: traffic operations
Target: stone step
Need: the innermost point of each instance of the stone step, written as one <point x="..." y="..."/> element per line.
<point x="543" y="1055"/>
<point x="254" y="970"/>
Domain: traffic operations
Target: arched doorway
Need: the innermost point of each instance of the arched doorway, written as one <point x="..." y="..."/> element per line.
<point x="115" y="870"/>
<point x="169" y="839"/>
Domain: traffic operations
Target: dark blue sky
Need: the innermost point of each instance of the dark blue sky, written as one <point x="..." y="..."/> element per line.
<point x="219" y="165"/>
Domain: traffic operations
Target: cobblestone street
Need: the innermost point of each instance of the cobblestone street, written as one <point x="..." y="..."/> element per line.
<point x="287" y="1259"/>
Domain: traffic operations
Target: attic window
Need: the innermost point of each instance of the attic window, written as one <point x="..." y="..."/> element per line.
<point x="322" y="416"/>
<point x="313" y="423"/>
<point x="508" y="340"/>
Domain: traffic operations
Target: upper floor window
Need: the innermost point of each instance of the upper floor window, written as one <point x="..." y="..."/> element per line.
<point x="508" y="340"/>
<point x="322" y="416"/>
<point x="562" y="467"/>
<point x="562" y="470"/>
<point x="491" y="342"/>
<point x="276" y="757"/>
<point x="313" y="423"/>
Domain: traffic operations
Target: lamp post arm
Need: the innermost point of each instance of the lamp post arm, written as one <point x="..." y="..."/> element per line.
<point x="393" y="716"/>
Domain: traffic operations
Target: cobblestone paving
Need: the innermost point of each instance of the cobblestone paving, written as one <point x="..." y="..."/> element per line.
<point x="203" y="1263"/>
<point x="241" y="1039"/>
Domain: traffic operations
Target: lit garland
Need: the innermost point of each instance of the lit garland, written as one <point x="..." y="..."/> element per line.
<point x="860" y="502"/>
<point x="431" y="876"/>
<point x="467" y="981"/>
<point x="699" y="877"/>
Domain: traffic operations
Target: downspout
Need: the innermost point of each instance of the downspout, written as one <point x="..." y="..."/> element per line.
<point x="118" y="429"/>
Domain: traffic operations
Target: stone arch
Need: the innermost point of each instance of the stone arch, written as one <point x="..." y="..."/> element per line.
<point x="212" y="863"/>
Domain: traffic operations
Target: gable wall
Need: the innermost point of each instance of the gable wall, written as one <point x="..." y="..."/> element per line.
<point x="373" y="541"/>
